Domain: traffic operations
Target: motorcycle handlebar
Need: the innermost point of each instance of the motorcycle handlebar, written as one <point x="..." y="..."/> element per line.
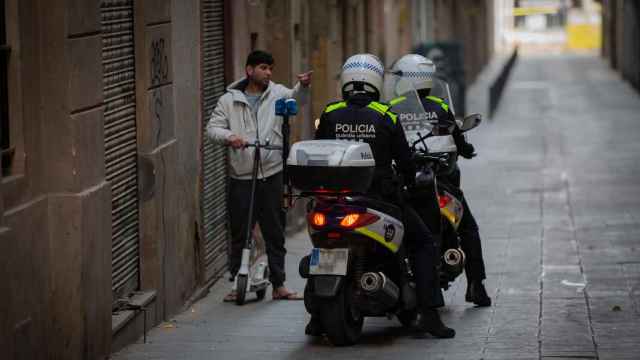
<point x="431" y="158"/>
<point x="421" y="139"/>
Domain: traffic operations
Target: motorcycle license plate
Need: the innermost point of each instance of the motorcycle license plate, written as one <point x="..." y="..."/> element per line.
<point x="328" y="261"/>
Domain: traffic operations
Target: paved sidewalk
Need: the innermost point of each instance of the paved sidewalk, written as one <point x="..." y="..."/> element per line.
<point x="556" y="191"/>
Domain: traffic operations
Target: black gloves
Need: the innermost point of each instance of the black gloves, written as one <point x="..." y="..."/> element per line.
<point x="466" y="150"/>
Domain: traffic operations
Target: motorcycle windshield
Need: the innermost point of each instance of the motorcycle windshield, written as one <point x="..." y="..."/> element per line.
<point x="400" y="92"/>
<point x="441" y="90"/>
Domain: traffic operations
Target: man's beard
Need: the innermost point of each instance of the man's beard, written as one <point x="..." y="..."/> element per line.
<point x="263" y="83"/>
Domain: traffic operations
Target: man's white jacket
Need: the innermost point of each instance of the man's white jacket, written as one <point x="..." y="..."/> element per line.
<point x="233" y="116"/>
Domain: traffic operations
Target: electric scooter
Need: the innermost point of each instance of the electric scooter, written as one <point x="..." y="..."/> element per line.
<point x="258" y="283"/>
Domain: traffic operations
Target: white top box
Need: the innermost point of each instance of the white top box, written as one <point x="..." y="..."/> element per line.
<point x="331" y="153"/>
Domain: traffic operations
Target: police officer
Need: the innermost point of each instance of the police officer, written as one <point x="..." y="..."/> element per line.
<point x="419" y="71"/>
<point x="361" y="80"/>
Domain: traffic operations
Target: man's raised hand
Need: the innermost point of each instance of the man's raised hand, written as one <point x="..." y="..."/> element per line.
<point x="305" y="78"/>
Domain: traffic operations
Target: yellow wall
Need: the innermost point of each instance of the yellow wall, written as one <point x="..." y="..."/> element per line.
<point x="584" y="36"/>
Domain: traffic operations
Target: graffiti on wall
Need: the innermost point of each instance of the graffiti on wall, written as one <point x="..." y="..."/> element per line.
<point x="159" y="67"/>
<point x="159" y="62"/>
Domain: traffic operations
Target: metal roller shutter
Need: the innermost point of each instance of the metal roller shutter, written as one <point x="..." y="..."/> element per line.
<point x="214" y="168"/>
<point x="121" y="141"/>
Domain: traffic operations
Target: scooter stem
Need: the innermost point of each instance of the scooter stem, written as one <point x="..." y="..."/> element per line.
<point x="254" y="180"/>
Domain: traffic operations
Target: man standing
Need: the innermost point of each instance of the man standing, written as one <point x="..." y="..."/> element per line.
<point x="246" y="112"/>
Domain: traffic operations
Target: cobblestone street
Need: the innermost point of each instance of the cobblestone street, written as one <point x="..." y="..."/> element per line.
<point x="556" y="193"/>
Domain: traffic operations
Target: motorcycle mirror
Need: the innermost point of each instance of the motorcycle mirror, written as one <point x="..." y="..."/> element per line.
<point x="471" y="121"/>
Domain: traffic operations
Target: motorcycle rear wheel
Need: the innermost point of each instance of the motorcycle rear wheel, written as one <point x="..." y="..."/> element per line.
<point x="408" y="318"/>
<point x="342" y="326"/>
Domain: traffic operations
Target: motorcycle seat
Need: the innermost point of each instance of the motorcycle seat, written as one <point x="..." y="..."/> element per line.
<point x="379" y="205"/>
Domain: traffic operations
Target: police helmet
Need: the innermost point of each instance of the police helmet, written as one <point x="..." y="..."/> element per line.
<point x="362" y="73"/>
<point x="417" y="70"/>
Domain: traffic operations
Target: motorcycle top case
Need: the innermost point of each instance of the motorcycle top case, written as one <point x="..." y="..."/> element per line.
<point x="331" y="165"/>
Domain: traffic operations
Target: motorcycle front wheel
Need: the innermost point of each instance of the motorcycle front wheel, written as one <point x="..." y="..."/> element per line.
<point x="342" y="326"/>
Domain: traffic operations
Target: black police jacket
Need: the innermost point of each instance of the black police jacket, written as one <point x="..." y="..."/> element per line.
<point x="439" y="113"/>
<point x="361" y="119"/>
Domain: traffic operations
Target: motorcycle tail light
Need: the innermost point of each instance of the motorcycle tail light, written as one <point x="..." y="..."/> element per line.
<point x="356" y="220"/>
<point x="443" y="200"/>
<point x="318" y="219"/>
<point x="349" y="220"/>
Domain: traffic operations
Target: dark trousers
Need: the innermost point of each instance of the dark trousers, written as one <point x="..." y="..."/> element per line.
<point x="267" y="212"/>
<point x="469" y="234"/>
<point x="421" y="246"/>
<point x="423" y="254"/>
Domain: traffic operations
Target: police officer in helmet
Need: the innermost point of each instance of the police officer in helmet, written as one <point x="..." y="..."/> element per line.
<point x="419" y="71"/>
<point x="360" y="117"/>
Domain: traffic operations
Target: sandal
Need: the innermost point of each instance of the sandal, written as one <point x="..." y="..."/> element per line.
<point x="287" y="295"/>
<point x="230" y="297"/>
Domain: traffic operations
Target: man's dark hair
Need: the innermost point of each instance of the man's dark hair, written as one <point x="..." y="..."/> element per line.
<point x="258" y="57"/>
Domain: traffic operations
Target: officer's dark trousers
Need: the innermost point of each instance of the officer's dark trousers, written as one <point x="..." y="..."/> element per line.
<point x="469" y="234"/>
<point x="423" y="254"/>
<point x="267" y="212"/>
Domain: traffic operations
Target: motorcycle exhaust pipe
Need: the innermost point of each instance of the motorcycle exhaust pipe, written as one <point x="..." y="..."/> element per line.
<point x="454" y="260"/>
<point x="380" y="287"/>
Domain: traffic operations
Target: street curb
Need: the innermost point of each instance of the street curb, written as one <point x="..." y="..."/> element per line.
<point x="498" y="84"/>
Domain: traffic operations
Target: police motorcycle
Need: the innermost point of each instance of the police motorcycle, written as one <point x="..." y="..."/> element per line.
<point x="434" y="153"/>
<point x="357" y="267"/>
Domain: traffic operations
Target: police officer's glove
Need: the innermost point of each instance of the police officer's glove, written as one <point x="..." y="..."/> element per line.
<point x="406" y="193"/>
<point x="467" y="150"/>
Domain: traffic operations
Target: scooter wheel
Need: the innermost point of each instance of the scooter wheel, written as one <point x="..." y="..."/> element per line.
<point x="263" y="292"/>
<point x="241" y="289"/>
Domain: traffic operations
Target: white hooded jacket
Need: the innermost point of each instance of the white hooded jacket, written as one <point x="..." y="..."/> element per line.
<point x="233" y="116"/>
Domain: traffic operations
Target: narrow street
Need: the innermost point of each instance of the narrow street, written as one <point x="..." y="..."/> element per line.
<point x="556" y="193"/>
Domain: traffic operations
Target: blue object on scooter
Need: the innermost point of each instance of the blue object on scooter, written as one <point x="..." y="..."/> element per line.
<point x="281" y="107"/>
<point x="292" y="107"/>
<point x="286" y="107"/>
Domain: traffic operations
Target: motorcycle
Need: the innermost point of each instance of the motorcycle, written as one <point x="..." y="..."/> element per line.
<point x="358" y="266"/>
<point x="434" y="153"/>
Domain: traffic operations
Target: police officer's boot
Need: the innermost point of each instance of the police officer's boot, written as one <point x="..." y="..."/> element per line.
<point x="314" y="328"/>
<point x="477" y="294"/>
<point x="430" y="322"/>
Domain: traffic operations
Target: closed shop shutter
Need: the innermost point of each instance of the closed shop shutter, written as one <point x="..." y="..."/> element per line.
<point x="121" y="141"/>
<point x="214" y="168"/>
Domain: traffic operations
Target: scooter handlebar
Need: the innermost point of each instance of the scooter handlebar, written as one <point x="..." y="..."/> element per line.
<point x="263" y="145"/>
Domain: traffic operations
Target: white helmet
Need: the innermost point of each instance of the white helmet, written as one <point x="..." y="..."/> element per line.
<point x="417" y="70"/>
<point x="365" y="69"/>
